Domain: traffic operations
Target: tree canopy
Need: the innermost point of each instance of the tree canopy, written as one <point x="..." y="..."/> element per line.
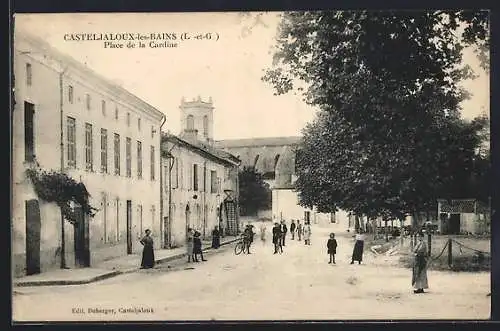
<point x="255" y="193"/>
<point x="388" y="139"/>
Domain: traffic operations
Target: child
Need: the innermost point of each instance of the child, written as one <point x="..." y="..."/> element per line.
<point x="197" y="247"/>
<point x="332" y="248"/>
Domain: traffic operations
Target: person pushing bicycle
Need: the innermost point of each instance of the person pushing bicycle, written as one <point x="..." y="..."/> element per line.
<point x="247" y="238"/>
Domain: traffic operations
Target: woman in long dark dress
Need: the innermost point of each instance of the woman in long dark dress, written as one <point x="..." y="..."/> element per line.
<point x="357" y="253"/>
<point x="148" y="255"/>
<point x="215" y="238"/>
<point x="419" y="275"/>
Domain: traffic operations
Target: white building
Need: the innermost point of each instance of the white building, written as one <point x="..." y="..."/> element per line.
<point x="201" y="182"/>
<point x="69" y="119"/>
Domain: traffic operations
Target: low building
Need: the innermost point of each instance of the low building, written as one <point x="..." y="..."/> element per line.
<point x="69" y="119"/>
<point x="201" y="181"/>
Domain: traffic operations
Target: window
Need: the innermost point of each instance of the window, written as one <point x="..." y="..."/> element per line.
<point x="88" y="101"/>
<point x="139" y="159"/>
<point x="104" y="204"/>
<point x="139" y="212"/>
<point x="71" y="141"/>
<point x="117" y="219"/>
<point x="190" y="122"/>
<point x="104" y="150"/>
<point x="89" y="157"/>
<point x="103" y="107"/>
<point x="195" y="177"/>
<point x="29" y="135"/>
<point x="152" y="131"/>
<point x="70" y="94"/>
<point x="128" y="156"/>
<point x="205" y="126"/>
<point x="128" y="119"/>
<point x="116" y="113"/>
<point x="213" y="181"/>
<point x="29" y="74"/>
<point x="176" y="169"/>
<point x="117" y="153"/>
<point x="139" y="124"/>
<point x="152" y="163"/>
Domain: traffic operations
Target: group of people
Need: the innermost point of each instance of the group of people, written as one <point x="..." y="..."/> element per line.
<point x="280" y="231"/>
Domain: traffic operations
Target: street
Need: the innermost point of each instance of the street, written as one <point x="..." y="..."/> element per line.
<point x="296" y="285"/>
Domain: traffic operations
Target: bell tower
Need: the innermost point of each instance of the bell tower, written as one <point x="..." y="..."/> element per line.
<point x="197" y="120"/>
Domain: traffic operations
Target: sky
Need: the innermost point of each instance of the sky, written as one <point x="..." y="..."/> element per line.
<point x="228" y="70"/>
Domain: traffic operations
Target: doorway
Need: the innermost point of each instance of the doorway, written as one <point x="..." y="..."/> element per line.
<point x="454" y="224"/>
<point x="187" y="215"/>
<point x="129" y="226"/>
<point x="33" y="229"/>
<point x="81" y="238"/>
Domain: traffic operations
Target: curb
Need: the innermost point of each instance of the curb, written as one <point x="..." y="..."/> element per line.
<point x="110" y="274"/>
<point x="68" y="282"/>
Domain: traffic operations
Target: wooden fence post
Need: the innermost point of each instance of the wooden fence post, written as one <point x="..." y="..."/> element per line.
<point x="450" y="253"/>
<point x="429" y="243"/>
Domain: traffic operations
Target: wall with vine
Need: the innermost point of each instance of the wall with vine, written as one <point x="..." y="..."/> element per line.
<point x="61" y="189"/>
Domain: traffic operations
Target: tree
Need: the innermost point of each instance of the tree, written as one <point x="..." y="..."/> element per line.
<point x="388" y="139"/>
<point x="255" y="194"/>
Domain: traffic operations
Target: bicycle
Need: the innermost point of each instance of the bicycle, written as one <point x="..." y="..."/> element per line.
<point x="240" y="246"/>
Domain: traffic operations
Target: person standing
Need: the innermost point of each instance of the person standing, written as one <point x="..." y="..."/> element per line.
<point x="148" y="256"/>
<point x="292" y="229"/>
<point x="307" y="233"/>
<point x="419" y="275"/>
<point x="263" y="232"/>
<point x="332" y="247"/>
<point x="357" y="253"/>
<point x="190" y="244"/>
<point x="284" y="230"/>
<point x="215" y="238"/>
<point x="277" y="238"/>
<point x="299" y="230"/>
<point x="247" y="239"/>
<point x="197" y="246"/>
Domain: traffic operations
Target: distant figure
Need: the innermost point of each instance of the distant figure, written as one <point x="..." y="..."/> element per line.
<point x="357" y="253"/>
<point x="263" y="232"/>
<point x="277" y="239"/>
<point x="332" y="247"/>
<point x="190" y="244"/>
<point x="299" y="230"/>
<point x="247" y="238"/>
<point x="419" y="276"/>
<point x="148" y="256"/>
<point x="284" y="230"/>
<point x="216" y="238"/>
<point x="307" y="233"/>
<point x="197" y="249"/>
<point x="292" y="229"/>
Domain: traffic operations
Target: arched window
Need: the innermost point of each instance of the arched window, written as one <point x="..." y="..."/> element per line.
<point x="276" y="159"/>
<point x="255" y="161"/>
<point x="190" y="122"/>
<point x="205" y="126"/>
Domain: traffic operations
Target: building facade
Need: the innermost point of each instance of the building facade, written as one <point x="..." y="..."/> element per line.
<point x="274" y="157"/>
<point x="69" y="119"/>
<point x="201" y="182"/>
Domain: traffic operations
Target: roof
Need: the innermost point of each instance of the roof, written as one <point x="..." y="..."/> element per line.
<point x="253" y="142"/>
<point x="211" y="153"/>
<point x="71" y="62"/>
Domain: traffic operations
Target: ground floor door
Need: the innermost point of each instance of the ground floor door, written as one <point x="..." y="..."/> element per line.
<point x="187" y="216"/>
<point x="454" y="224"/>
<point x="81" y="239"/>
<point x="33" y="229"/>
<point x="232" y="226"/>
<point x="129" y="227"/>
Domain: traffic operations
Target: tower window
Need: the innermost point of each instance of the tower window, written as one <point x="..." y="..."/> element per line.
<point x="205" y="126"/>
<point x="190" y="122"/>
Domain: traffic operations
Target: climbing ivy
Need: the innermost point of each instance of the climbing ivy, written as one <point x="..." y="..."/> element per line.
<point x="61" y="189"/>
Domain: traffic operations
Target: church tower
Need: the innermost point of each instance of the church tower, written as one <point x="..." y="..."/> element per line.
<point x="197" y="121"/>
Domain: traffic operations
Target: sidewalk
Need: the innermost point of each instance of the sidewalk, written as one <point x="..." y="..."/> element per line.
<point x="106" y="269"/>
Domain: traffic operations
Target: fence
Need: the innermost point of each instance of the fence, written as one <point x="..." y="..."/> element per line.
<point x="448" y="253"/>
